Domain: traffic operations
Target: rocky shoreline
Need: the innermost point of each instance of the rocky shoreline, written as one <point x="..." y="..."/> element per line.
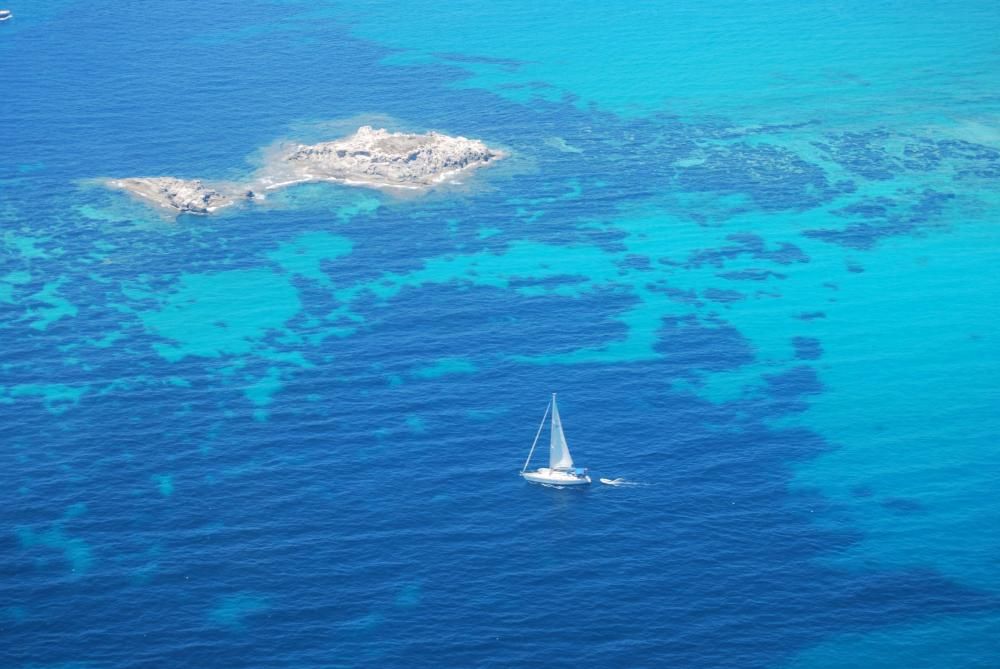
<point x="372" y="158"/>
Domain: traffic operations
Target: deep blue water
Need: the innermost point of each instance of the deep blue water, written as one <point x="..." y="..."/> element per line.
<point x="753" y="247"/>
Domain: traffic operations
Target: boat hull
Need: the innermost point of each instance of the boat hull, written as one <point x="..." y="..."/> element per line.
<point x="555" y="477"/>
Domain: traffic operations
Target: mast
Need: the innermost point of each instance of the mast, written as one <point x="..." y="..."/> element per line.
<point x="539" y="433"/>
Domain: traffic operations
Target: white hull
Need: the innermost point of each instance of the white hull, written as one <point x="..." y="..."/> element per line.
<point x="555" y="477"/>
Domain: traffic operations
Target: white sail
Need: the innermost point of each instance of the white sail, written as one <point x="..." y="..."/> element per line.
<point x="559" y="457"/>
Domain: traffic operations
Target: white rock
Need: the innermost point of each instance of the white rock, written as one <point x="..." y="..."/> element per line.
<point x="381" y="158"/>
<point x="186" y="196"/>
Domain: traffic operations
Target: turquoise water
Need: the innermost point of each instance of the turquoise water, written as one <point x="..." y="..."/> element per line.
<point x="752" y="246"/>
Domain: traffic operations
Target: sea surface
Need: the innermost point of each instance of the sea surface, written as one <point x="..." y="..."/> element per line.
<point x="754" y="246"/>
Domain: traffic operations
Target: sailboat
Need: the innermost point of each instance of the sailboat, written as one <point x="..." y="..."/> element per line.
<point x="560" y="471"/>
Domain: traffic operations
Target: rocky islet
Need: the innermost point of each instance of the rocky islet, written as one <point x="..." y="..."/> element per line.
<point x="373" y="158"/>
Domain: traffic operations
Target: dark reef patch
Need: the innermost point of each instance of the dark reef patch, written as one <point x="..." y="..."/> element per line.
<point x="722" y="295"/>
<point x="635" y="261"/>
<point x="787" y="391"/>
<point x="751" y="275"/>
<point x="868" y="155"/>
<point x="547" y="282"/>
<point x="688" y="345"/>
<point x="807" y="348"/>
<point x="775" y="178"/>
<point x="969" y="160"/>
<point x="877" y="218"/>
<point x="746" y="243"/>
<point x="794" y="382"/>
<point x="862" y="153"/>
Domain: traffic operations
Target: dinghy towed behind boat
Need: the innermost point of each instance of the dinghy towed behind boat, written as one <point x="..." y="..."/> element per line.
<point x="6" y="14"/>
<point x="560" y="471"/>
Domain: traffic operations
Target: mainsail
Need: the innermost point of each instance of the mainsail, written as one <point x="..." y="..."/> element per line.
<point x="559" y="457"/>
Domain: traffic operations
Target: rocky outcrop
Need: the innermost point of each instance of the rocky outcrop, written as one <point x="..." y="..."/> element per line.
<point x="186" y="196"/>
<point x="380" y="158"/>
<point x="371" y="158"/>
